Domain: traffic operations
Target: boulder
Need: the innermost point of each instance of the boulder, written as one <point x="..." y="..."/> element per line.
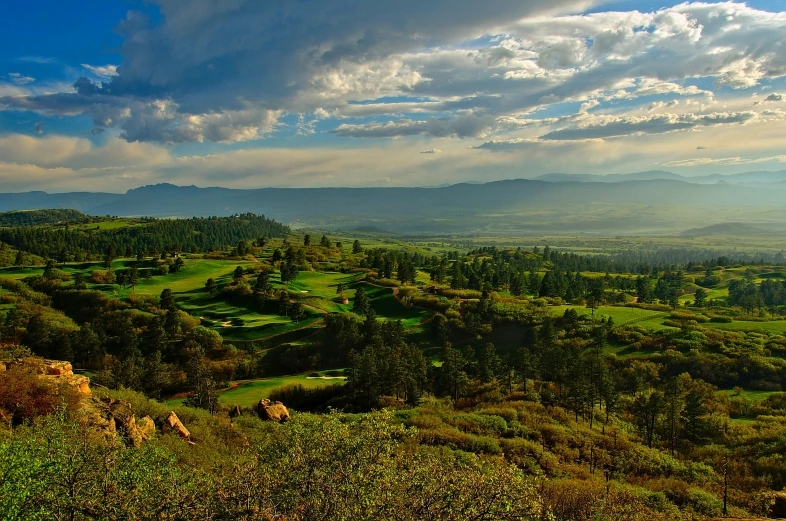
<point x="146" y="427"/>
<point x="57" y="372"/>
<point x="272" y="411"/>
<point x="175" y="424"/>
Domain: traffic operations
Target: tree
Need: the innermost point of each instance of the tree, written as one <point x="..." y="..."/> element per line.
<point x="324" y="242"/>
<point x="356" y="247"/>
<point x="452" y="375"/>
<point x="362" y="303"/>
<point x="79" y="280"/>
<point x="167" y="300"/>
<point x="133" y="277"/>
<point x="296" y="311"/>
<point x="307" y="239"/>
<point x="204" y="393"/>
<point x="178" y="264"/>
<point x="284" y="273"/>
<point x="647" y="409"/>
<point x="20" y="258"/>
<point x="263" y="282"/>
<point x="239" y="272"/>
<point x="210" y="286"/>
<point x="340" y="289"/>
<point x="700" y="298"/>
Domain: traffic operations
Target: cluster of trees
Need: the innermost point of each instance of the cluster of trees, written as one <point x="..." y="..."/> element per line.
<point x="769" y="294"/>
<point x="148" y="238"/>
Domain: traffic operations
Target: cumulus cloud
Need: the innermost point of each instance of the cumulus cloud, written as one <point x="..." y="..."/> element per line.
<point x="39" y="127"/>
<point x="774" y="97"/>
<point x="230" y="71"/>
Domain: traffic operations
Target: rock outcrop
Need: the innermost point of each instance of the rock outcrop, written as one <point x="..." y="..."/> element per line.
<point x="175" y="424"/>
<point x="54" y="371"/>
<point x="116" y="418"/>
<point x="273" y="411"/>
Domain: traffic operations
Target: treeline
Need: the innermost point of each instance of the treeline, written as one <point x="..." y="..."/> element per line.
<point x="161" y="235"/>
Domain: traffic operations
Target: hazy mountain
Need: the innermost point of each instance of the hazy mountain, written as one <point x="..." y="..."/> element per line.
<point x="739" y="229"/>
<point x="612" y="178"/>
<point x="745" y="177"/>
<point x="513" y="206"/>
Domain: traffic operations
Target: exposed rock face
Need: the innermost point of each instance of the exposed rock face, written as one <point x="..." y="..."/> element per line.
<point x="174" y="423"/>
<point x="115" y="417"/>
<point x="272" y="411"/>
<point x="56" y="372"/>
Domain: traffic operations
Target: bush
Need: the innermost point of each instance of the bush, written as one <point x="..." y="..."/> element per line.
<point x="721" y="320"/>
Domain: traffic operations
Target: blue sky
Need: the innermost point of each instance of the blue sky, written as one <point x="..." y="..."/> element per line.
<point x="115" y="94"/>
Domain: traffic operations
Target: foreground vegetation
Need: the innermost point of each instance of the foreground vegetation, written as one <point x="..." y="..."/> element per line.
<point x="627" y="387"/>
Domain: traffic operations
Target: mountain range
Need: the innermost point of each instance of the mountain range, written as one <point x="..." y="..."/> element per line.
<point x="648" y="202"/>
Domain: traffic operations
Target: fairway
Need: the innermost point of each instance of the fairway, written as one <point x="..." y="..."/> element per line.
<point x="622" y="315"/>
<point x="387" y="306"/>
<point x="320" y="284"/>
<point x="248" y="393"/>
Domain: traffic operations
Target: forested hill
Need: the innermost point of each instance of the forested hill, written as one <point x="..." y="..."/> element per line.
<point x="41" y="217"/>
<point x="193" y="235"/>
<point x="456" y="208"/>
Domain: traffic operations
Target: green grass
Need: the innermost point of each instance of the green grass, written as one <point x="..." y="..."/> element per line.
<point x="776" y="326"/>
<point x="387" y="306"/>
<point x="620" y="315"/>
<point x="324" y="284"/>
<point x="754" y="396"/>
<point x="112" y="224"/>
<point x="251" y="391"/>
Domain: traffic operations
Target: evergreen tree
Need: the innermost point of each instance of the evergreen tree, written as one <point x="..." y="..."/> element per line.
<point x="362" y="303"/>
<point x="210" y="286"/>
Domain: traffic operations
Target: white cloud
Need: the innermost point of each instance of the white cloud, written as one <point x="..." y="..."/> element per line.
<point x="102" y="71"/>
<point x="231" y="71"/>
<point x="20" y="79"/>
<point x="724" y="161"/>
<point x="601" y="127"/>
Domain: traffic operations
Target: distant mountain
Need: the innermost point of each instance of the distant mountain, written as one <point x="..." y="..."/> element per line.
<point x="743" y="178"/>
<point x="738" y="229"/>
<point x="612" y="178"/>
<point x="515" y="206"/>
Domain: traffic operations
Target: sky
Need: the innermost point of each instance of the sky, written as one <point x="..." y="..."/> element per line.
<point x="109" y="95"/>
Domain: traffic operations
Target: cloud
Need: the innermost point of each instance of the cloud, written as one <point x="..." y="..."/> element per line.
<point x="39" y="127"/>
<point x="431" y="151"/>
<point x="37" y="59"/>
<point x="774" y="97"/>
<point x="103" y="71"/>
<point x="20" y="79"/>
<point x="724" y="161"/>
<point x="232" y="71"/>
<point x="462" y="126"/>
<point x="612" y="126"/>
